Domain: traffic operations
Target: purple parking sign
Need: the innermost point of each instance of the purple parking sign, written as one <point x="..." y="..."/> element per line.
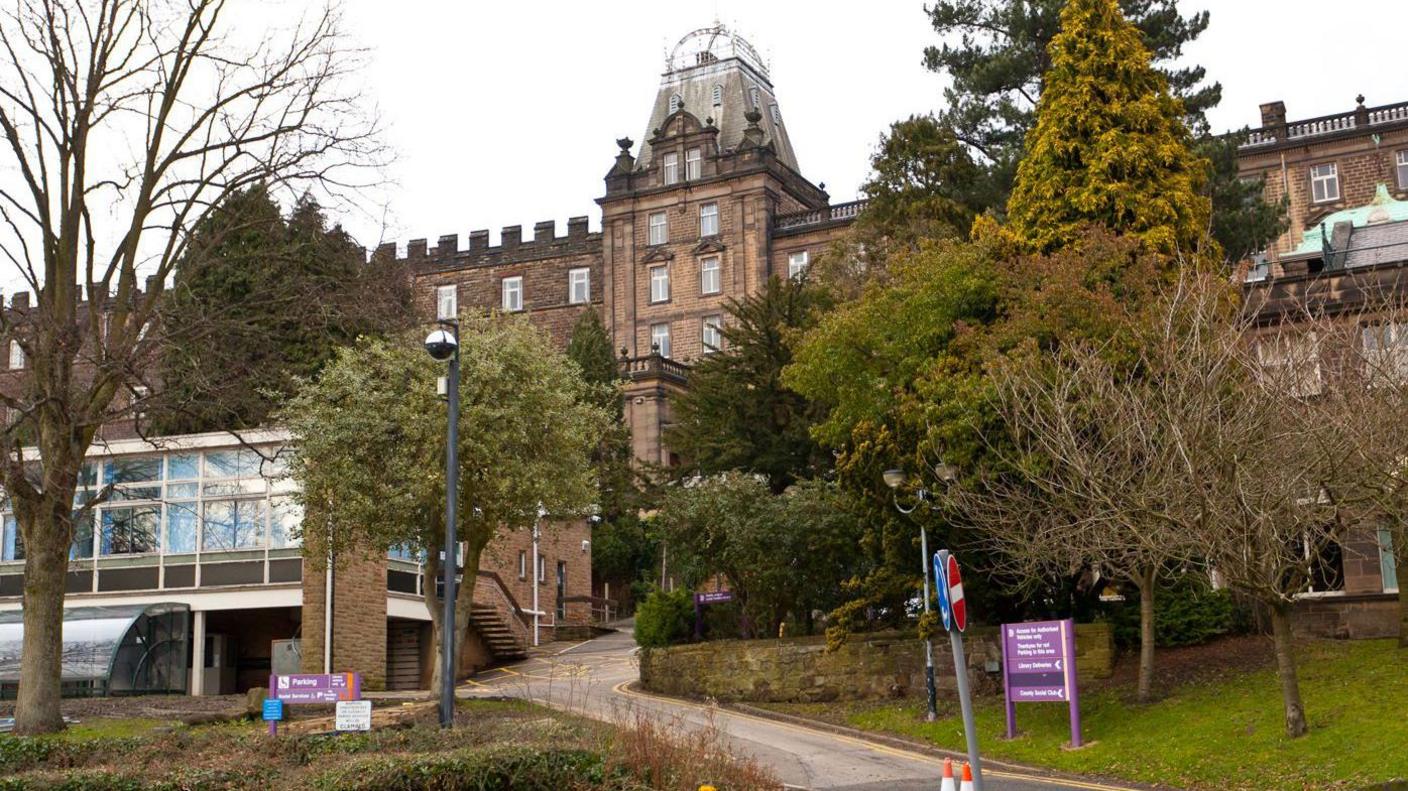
<point x="1038" y="665"/>
<point x="314" y="688"/>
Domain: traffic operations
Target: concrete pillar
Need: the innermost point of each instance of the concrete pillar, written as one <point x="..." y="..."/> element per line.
<point x="197" y="686"/>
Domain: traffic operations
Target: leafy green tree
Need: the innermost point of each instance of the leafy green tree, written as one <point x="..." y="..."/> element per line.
<point x="737" y="413"/>
<point x="623" y="551"/>
<point x="1243" y="223"/>
<point x="260" y="301"/>
<point x="783" y="555"/>
<point x="1109" y="146"/>
<point x="664" y="618"/>
<point x="924" y="184"/>
<point x="371" y="443"/>
<point x="996" y="52"/>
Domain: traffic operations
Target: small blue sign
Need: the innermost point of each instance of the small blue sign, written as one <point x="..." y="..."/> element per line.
<point x="941" y="587"/>
<point x="273" y="709"/>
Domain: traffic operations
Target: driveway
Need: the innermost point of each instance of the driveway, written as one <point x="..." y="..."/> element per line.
<point x="592" y="679"/>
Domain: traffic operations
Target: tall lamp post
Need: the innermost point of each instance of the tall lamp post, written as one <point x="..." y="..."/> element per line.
<point x="444" y="344"/>
<point x="895" y="479"/>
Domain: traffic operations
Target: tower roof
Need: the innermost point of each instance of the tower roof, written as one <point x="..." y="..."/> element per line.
<point x="714" y="73"/>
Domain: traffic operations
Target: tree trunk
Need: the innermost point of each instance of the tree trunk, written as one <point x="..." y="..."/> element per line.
<point x="47" y="536"/>
<point x="430" y="572"/>
<point x="1400" y="561"/>
<point x="1146" y="582"/>
<point x="1286" y="670"/>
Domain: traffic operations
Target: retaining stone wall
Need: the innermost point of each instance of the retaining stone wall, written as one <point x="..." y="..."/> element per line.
<point x="866" y="667"/>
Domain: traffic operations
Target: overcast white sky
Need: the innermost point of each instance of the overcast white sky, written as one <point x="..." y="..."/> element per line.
<point x="506" y="113"/>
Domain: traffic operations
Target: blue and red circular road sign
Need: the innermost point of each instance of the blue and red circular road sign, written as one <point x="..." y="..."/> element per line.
<point x="941" y="588"/>
<point x="955" y="594"/>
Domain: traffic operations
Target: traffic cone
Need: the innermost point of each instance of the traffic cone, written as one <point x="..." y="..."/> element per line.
<point x="967" y="784"/>
<point x="947" y="784"/>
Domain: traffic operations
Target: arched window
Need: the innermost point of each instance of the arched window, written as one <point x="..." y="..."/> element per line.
<point x="675" y="103"/>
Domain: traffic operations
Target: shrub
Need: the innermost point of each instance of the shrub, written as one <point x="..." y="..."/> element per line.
<point x="510" y="769"/>
<point x="1187" y="611"/>
<point x="664" y="618"/>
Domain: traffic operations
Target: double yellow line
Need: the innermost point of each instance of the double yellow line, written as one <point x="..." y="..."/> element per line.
<point x="624" y="690"/>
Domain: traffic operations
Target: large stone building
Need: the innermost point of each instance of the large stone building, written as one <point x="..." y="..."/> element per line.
<point x="710" y="205"/>
<point x="1344" y="179"/>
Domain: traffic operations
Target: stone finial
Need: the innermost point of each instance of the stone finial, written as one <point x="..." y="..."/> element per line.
<point x="624" y="161"/>
<point x="655" y="347"/>
<point x="1359" y="100"/>
<point x="753" y="136"/>
<point x="625" y="353"/>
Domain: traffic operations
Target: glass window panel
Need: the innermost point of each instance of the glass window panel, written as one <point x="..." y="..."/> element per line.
<point x="136" y="493"/>
<point x="13" y="546"/>
<point x="1387" y="567"/>
<point x="88" y="476"/>
<point x="182" y="466"/>
<point x="233" y="524"/>
<point x="130" y="530"/>
<point x="174" y="490"/>
<point x="232" y="464"/>
<point x="232" y="488"/>
<point x="284" y="522"/>
<point x="130" y="470"/>
<point x="82" y="546"/>
<point x="180" y="527"/>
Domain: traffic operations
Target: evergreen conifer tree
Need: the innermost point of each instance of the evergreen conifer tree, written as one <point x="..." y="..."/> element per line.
<point x="1109" y="146"/>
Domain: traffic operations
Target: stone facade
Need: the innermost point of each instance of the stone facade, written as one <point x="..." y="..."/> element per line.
<point x="866" y="667"/>
<point x="1283" y="153"/>
<point x="359" y="619"/>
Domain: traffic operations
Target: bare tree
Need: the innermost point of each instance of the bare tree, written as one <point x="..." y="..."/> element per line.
<point x="124" y="123"/>
<point x="1094" y="465"/>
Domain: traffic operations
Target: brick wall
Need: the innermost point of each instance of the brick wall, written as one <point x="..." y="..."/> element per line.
<point x="558" y="542"/>
<point x="359" y="619"/>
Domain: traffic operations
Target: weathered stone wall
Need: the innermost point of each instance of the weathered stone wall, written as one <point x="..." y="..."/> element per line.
<point x="866" y="667"/>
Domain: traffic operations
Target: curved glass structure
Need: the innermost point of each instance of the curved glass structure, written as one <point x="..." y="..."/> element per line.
<point x="115" y="650"/>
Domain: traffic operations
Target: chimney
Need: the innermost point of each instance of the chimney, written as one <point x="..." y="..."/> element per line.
<point x="545" y="231"/>
<point x="511" y="235"/>
<point x="448" y="244"/>
<point x="415" y="248"/>
<point x="479" y="240"/>
<point x="576" y="227"/>
<point x="1273" y="114"/>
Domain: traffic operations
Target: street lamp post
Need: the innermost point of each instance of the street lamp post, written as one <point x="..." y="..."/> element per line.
<point x="444" y="344"/>
<point x="894" y="479"/>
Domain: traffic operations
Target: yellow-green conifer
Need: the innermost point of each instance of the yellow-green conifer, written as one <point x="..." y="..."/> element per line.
<point x="1109" y="146"/>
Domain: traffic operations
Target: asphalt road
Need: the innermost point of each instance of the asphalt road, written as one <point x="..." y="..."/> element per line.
<point x="591" y="678"/>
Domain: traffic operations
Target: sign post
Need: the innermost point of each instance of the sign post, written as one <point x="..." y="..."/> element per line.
<point x="701" y="599"/>
<point x="950" y="584"/>
<point x="273" y="712"/>
<point x="1039" y="665"/>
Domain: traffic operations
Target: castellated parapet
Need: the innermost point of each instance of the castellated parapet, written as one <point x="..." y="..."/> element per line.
<point x="447" y="253"/>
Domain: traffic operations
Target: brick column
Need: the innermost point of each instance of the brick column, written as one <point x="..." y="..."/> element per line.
<point x="359" y="619"/>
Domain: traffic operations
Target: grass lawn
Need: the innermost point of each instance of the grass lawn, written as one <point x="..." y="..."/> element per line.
<point x="1224" y="733"/>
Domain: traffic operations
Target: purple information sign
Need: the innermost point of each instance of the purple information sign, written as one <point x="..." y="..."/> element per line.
<point x="1038" y="665"/>
<point x="713" y="597"/>
<point x="314" y="688"/>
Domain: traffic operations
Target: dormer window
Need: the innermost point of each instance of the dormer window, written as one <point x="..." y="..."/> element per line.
<point x="675" y="102"/>
<point x="718" y="95"/>
<point x="670" y="168"/>
<point x="692" y="160"/>
<point x="1324" y="183"/>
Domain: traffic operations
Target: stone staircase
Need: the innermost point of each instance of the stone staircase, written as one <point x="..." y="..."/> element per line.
<point x="498" y="619"/>
<point x="489" y="623"/>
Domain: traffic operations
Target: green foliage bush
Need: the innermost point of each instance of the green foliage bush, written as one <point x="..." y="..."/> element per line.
<point x="1187" y="611"/>
<point x="664" y="618"/>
